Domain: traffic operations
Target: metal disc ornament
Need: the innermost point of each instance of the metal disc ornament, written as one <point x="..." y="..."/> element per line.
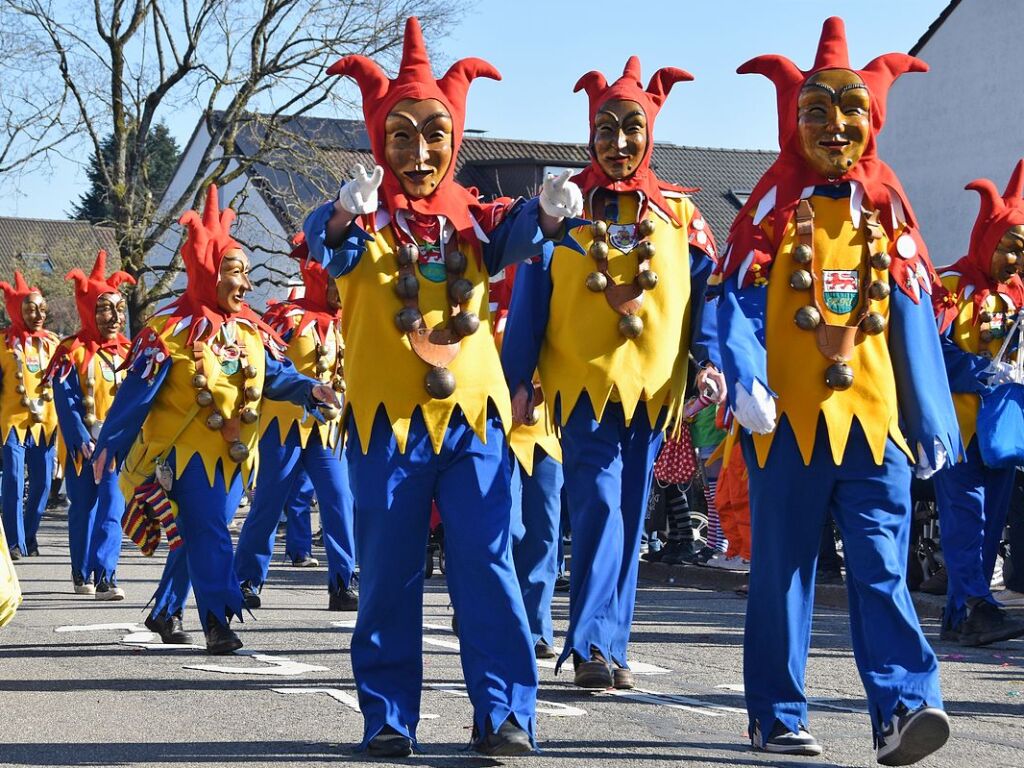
<point x="407" y="254"/>
<point x="248" y="416"/>
<point x="455" y="261"/>
<point x="645" y="228"/>
<point x="461" y="290"/>
<point x="440" y="383"/>
<point x="466" y="323"/>
<point x="238" y="452"/>
<point x="599" y="250"/>
<point x="631" y="326"/>
<point x="807" y="318"/>
<point x="250" y="372"/>
<point x="215" y="421"/>
<point x="599" y="229"/>
<point x="204" y="398"/>
<point x="199" y="381"/>
<point x="647" y="279"/>
<point x="407" y="286"/>
<point x="596" y="282"/>
<point x="839" y="377"/>
<point x="881" y="260"/>
<point x="878" y="290"/>
<point x="644" y="250"/>
<point x="873" y="323"/>
<point x="802" y="254"/>
<point x="409" y="319"/>
<point x="800" y="280"/>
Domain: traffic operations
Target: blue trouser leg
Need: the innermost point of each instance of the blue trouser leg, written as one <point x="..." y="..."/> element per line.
<point x="279" y="463"/>
<point x="608" y="468"/>
<point x="13" y="491"/>
<point x="328" y="473"/>
<point x="172" y="592"/>
<point x="39" y="459"/>
<point x="871" y="507"/>
<point x="82" y="498"/>
<point x="299" y="526"/>
<point x="392" y="492"/>
<point x="536" y="507"/>
<point x="973" y="501"/>
<point x="203" y="516"/>
<point x="105" y="549"/>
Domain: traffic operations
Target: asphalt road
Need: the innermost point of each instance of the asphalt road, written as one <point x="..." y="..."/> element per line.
<point x="74" y="694"/>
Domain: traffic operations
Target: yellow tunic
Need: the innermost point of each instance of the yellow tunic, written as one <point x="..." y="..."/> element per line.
<point x="302" y="352"/>
<point x="106" y="379"/>
<point x="796" y="369"/>
<point x="31" y="360"/>
<point x="382" y="370"/>
<point x="583" y="350"/>
<point x="174" y="406"/>
<point x="966" y="334"/>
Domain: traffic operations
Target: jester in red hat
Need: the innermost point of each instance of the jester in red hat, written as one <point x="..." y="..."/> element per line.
<point x="978" y="319"/>
<point x="835" y="377"/>
<point x="296" y="449"/>
<point x="427" y="410"/>
<point x="184" y="426"/>
<point x="609" y="319"/>
<point x="85" y="374"/>
<point x="28" y="421"/>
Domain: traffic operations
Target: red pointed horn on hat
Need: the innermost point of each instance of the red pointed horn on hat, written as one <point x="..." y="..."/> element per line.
<point x="832" y="51"/>
<point x="662" y="81"/>
<point x="991" y="202"/>
<point x="458" y="77"/>
<point x="370" y="78"/>
<point x="593" y="83"/>
<point x="1015" y="187"/>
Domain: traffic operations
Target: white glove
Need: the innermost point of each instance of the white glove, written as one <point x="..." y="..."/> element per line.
<point x="755" y="410"/>
<point x="923" y="469"/>
<point x="360" y="194"/>
<point x="560" y="197"/>
<point x="1000" y="373"/>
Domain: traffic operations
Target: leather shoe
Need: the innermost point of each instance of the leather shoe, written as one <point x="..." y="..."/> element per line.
<point x="220" y="638"/>
<point x="593" y="673"/>
<point x="15" y="553"/>
<point x="543" y="651"/>
<point x="389" y="743"/>
<point x="250" y="596"/>
<point x="622" y="678"/>
<point x="169" y="628"/>
<point x="346" y="599"/>
<point x="509" y="740"/>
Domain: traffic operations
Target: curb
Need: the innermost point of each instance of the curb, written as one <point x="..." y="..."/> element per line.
<point x="719" y="580"/>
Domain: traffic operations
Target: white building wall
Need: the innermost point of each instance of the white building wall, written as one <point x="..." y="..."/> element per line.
<point x="962" y="120"/>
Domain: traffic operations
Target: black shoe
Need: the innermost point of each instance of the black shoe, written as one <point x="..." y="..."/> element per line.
<point x="936" y="584"/>
<point x="782" y="741"/>
<point x="15" y="553"/>
<point x="562" y="584"/>
<point x="703" y="557"/>
<point x="318" y="537"/>
<point x="346" y="599"/>
<point x="679" y="553"/>
<point x="220" y="638"/>
<point x="622" y="678"/>
<point x="169" y="628"/>
<point x="593" y="673"/>
<point x="108" y="590"/>
<point x="33" y="551"/>
<point x="911" y="736"/>
<point x="250" y="596"/>
<point x="829" y="576"/>
<point x="389" y="743"/>
<point x="543" y="651"/>
<point x="508" y="741"/>
<point x="987" y="623"/>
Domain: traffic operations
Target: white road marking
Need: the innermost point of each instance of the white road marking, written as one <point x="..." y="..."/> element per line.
<point x="278" y="666"/>
<point x="815" y="701"/>
<point x="124" y="627"/>
<point x="151" y="641"/>
<point x="674" y="701"/>
<point x="339" y="695"/>
<point x="552" y="708"/>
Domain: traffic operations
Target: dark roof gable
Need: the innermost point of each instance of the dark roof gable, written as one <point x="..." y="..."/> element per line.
<point x="66" y="244"/>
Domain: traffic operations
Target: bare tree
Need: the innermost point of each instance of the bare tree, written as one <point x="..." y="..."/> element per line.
<point x="77" y="71"/>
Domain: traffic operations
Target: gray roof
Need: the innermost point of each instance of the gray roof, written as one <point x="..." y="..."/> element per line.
<point x="51" y="245"/>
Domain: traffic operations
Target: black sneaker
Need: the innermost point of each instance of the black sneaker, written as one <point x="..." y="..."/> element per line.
<point x="220" y="638"/>
<point x="543" y="651"/>
<point x="108" y="590"/>
<point x="987" y="623"/>
<point x="83" y="587"/>
<point x="782" y="741"/>
<point x="593" y="673"/>
<point x="911" y="736"/>
<point x="346" y="599"/>
<point x="509" y="740"/>
<point x="250" y="595"/>
<point x="169" y="628"/>
<point x="15" y="553"/>
<point x="33" y="550"/>
<point x="389" y="743"/>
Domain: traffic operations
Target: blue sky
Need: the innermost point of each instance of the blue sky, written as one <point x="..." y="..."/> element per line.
<point x="542" y="47"/>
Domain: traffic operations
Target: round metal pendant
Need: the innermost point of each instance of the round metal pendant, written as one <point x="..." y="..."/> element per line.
<point x="329" y="412"/>
<point x="252" y="394"/>
<point x="644" y="250"/>
<point x="647" y="279"/>
<point x="407" y="254"/>
<point x="89" y="403"/>
<point x="631" y="326"/>
<point x="204" y="398"/>
<point x="409" y="319"/>
<point x="215" y="420"/>
<point x="466" y="323"/>
<point x="645" y="228"/>
<point x="596" y="282"/>
<point x="599" y="250"/>
<point x="248" y="416"/>
<point x="20" y="389"/>
<point x="322" y="365"/>
<point x="199" y="381"/>
<point x="338" y="384"/>
<point x="407" y="287"/>
<point x="455" y="262"/>
<point x="802" y="254"/>
<point x="440" y="383"/>
<point x="839" y="377"/>
<point x="881" y="260"/>
<point x="873" y="323"/>
<point x="238" y="452"/>
<point x="461" y="290"/>
<point x="46" y="396"/>
<point x="599" y="229"/>
<point x="25" y="402"/>
<point x="89" y="420"/>
<point x="250" y="372"/>
<point x="800" y="280"/>
<point x="807" y="318"/>
<point x="878" y="290"/>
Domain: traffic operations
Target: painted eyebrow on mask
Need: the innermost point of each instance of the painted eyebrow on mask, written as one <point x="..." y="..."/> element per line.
<point x="833" y="94"/>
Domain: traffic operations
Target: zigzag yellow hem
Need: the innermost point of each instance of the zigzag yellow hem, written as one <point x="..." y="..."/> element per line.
<point x="665" y="399"/>
<point x="838" y="432"/>
<point x="38" y="432"/>
<point x="326" y="438"/>
<point x="214" y="466"/>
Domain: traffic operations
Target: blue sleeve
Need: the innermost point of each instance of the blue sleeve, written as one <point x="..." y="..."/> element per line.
<point x="67" y="401"/>
<point x="964" y="369"/>
<point x="703" y="311"/>
<point x="283" y="382"/>
<point x="527" y="323"/>
<point x="337" y="261"/>
<point x="926" y="407"/>
<point x="518" y="237"/>
<point x="128" y="412"/>
<point x="741" y="348"/>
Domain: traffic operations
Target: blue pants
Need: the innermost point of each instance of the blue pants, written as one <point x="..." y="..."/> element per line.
<point x="21" y="518"/>
<point x="204" y="560"/>
<point x="973" y="501"/>
<point x="94" y="523"/>
<point x="789" y="503"/>
<point x="280" y="467"/>
<point x="298" y="537"/>
<point x="608" y="468"/>
<point x="536" y="511"/>
<point x="470" y="481"/>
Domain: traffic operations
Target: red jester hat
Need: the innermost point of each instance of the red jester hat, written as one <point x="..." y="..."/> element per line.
<point x="14" y="296"/>
<point x="88" y="289"/>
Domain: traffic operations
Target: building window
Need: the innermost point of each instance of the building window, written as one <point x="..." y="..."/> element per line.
<point x="38" y="261"/>
<point x="739" y="196"/>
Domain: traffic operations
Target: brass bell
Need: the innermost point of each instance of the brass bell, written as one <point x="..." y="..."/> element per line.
<point x="199" y="381"/>
<point x="407" y="286"/>
<point x="647" y="279"/>
<point x="252" y="394"/>
<point x="248" y="416"/>
<point x="215" y="420"/>
<point x="440" y="383"/>
<point x="329" y="412"/>
<point x="19" y="375"/>
<point x="25" y="402"/>
<point x="839" y="377"/>
<point x="873" y="323"/>
<point x="644" y="250"/>
<point x="466" y="323"/>
<point x="985" y="335"/>
<point x="645" y="228"/>
<point x="803" y="254"/>
<point x="250" y="372"/>
<point x="599" y="250"/>
<point x="878" y="290"/>
<point x="407" y="254"/>
<point x="461" y="290"/>
<point x="204" y="397"/>
<point x="89" y="420"/>
<point x="455" y="262"/>
<point x="89" y="402"/>
<point x="20" y="389"/>
<point x="881" y="260"/>
<point x="322" y="365"/>
<point x="985" y="316"/>
<point x="596" y="282"/>
<point x="599" y="229"/>
<point x="807" y="318"/>
<point x="238" y="452"/>
<point x="800" y="280"/>
<point x="409" y="319"/>
<point x="631" y="326"/>
<point x="338" y="384"/>
<point x="46" y="396"/>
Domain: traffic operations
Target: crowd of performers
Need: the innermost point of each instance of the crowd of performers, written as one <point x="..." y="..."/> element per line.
<point x="492" y="357"/>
